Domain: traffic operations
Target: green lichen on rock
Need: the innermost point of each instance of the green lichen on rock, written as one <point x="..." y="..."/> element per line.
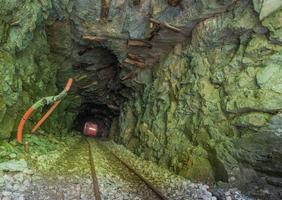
<point x="26" y="73"/>
<point x="219" y="89"/>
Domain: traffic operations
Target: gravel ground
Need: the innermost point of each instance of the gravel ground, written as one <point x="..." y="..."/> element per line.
<point x="13" y="185"/>
<point x="66" y="175"/>
<point x="175" y="187"/>
<point x="26" y="185"/>
<point x="68" y="178"/>
<point x="115" y="180"/>
<point x="63" y="175"/>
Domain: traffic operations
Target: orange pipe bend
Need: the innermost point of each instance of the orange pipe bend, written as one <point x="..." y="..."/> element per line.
<point x="48" y="113"/>
<point x="21" y="125"/>
<point x="31" y="109"/>
<point x="53" y="107"/>
<point x="68" y="85"/>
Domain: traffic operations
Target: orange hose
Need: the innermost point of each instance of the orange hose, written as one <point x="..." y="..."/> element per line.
<point x="31" y="109"/>
<point x="21" y="124"/>
<point x="68" y="85"/>
<point x="48" y="113"/>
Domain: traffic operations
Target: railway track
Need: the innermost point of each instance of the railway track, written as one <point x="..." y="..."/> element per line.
<point x="96" y="189"/>
<point x="121" y="170"/>
<point x="89" y="170"/>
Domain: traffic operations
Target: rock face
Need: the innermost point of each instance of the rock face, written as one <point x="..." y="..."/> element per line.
<point x="201" y="79"/>
<point x="26" y="73"/>
<point x="211" y="109"/>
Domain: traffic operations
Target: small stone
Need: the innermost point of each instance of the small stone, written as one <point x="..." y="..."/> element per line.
<point x="227" y="193"/>
<point x="265" y="192"/>
<point x="13" y="165"/>
<point x="16" y="187"/>
<point x="21" y="197"/>
<point x="28" y="171"/>
<point x="228" y="198"/>
<point x="26" y="183"/>
<point x="232" y="179"/>
<point x="6" y="198"/>
<point x="22" y="188"/>
<point x="13" y="155"/>
<point x="19" y="177"/>
<point x="6" y="193"/>
<point x="2" y="180"/>
<point x="16" y="194"/>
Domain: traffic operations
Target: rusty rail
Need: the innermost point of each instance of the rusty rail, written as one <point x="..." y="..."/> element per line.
<point x="96" y="189"/>
<point x="156" y="190"/>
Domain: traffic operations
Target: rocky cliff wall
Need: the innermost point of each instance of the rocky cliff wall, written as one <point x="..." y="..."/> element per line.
<point x="212" y="108"/>
<point x="26" y="72"/>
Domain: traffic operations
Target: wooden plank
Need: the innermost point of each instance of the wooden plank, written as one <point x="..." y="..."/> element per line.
<point x="135" y="62"/>
<point x="94" y="38"/>
<point x="138" y="43"/>
<point x="105" y="9"/>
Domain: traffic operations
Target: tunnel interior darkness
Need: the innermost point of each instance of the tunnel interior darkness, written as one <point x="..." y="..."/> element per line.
<point x="101" y="115"/>
<point x="97" y="84"/>
<point x="97" y="93"/>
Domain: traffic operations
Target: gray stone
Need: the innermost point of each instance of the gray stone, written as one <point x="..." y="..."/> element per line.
<point x="13" y="165"/>
<point x="6" y="193"/>
<point x="268" y="7"/>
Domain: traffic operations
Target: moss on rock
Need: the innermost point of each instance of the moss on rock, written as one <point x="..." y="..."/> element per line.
<point x="26" y="73"/>
<point x="209" y="94"/>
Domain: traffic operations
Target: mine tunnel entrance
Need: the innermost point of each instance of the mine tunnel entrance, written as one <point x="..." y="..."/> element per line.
<point x="96" y="86"/>
<point x="101" y="115"/>
<point x="97" y="92"/>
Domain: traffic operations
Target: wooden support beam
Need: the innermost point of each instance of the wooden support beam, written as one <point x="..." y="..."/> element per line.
<point x="113" y="107"/>
<point x="94" y="38"/>
<point x="166" y="25"/>
<point x="15" y="23"/>
<point x="89" y="85"/>
<point x="135" y="57"/>
<point x="138" y="43"/>
<point x="80" y="77"/>
<point x="105" y="9"/>
<point x="102" y="38"/>
<point x="129" y="75"/>
<point x="135" y="62"/>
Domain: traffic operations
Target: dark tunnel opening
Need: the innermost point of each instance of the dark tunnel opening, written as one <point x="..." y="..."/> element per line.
<point x="97" y="93"/>
<point x="101" y="115"/>
<point x="97" y="83"/>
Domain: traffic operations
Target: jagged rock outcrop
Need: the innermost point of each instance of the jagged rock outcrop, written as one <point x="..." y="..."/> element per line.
<point x="26" y="73"/>
<point x="212" y="108"/>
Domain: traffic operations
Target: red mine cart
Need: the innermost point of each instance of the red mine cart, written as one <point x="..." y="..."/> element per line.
<point x="90" y="129"/>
